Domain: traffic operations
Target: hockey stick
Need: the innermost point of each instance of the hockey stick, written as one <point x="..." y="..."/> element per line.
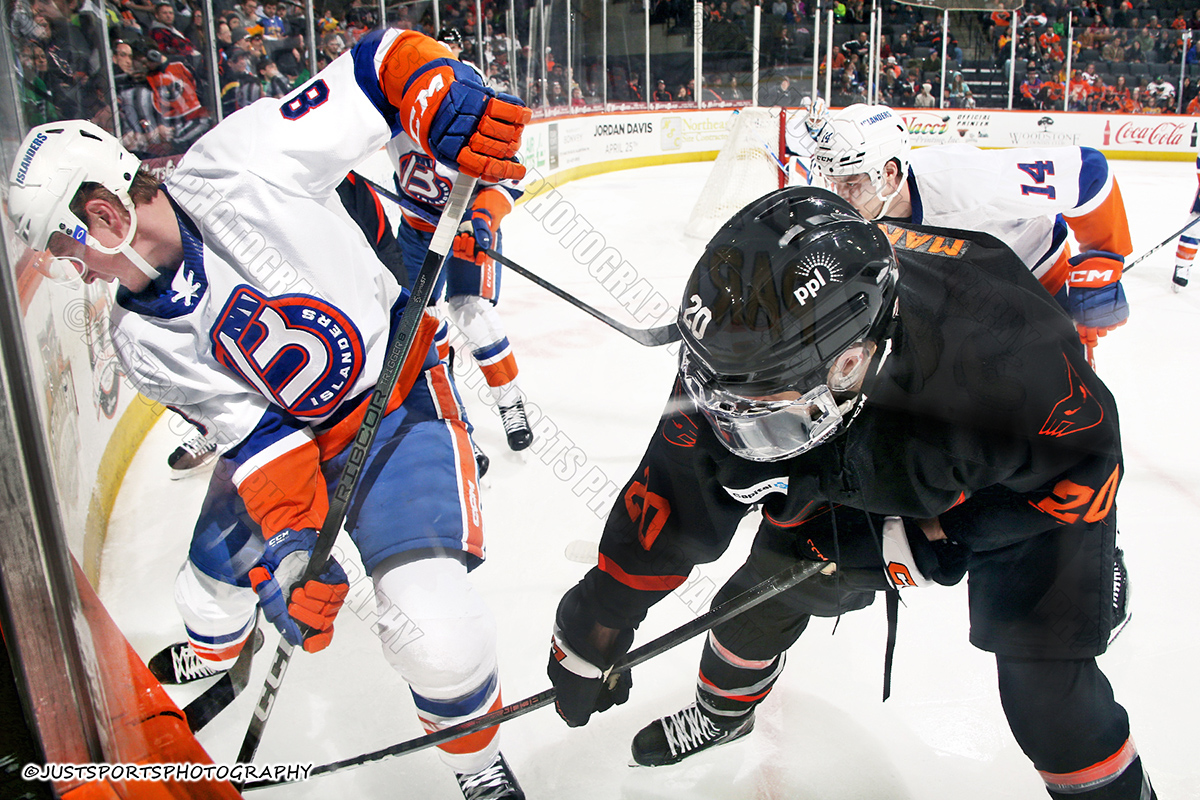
<point x="727" y="610"/>
<point x="216" y="698"/>
<point x="649" y="337"/>
<point x="397" y="354"/>
<point x="1160" y="245"/>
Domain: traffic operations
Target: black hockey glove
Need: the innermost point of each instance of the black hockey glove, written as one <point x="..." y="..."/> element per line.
<point x="577" y="666"/>
<point x="911" y="559"/>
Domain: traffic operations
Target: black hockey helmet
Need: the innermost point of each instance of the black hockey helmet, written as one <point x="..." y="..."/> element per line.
<point x="792" y="295"/>
<point x="450" y="36"/>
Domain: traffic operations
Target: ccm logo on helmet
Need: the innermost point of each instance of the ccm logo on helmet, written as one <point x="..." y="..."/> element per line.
<point x="27" y="159"/>
<point x="808" y="290"/>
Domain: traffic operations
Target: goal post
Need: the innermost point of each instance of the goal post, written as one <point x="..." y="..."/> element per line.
<point x="751" y="163"/>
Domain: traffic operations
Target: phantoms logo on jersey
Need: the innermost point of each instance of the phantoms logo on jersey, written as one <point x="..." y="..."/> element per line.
<point x="297" y="350"/>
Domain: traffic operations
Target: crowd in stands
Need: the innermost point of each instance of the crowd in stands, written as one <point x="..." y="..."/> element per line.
<point x="1127" y="56"/>
<point x="163" y="75"/>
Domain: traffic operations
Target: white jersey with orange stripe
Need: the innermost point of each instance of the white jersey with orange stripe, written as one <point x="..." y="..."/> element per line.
<point x="275" y="326"/>
<point x="1018" y="195"/>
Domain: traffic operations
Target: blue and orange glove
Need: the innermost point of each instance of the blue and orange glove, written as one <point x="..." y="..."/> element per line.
<point x="314" y="604"/>
<point x="1095" y="296"/>
<point x="478" y="230"/>
<point x="474" y="237"/>
<point x="479" y="132"/>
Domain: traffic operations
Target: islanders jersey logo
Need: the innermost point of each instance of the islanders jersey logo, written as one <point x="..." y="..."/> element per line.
<point x="297" y="350"/>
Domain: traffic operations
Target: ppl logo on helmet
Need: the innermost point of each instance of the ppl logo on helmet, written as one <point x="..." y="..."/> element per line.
<point x="27" y="159"/>
<point x="816" y="281"/>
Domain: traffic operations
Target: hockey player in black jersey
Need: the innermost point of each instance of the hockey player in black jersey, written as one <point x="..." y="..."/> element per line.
<point x="908" y="404"/>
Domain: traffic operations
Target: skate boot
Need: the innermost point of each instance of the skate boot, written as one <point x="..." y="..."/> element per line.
<point x="494" y="782"/>
<point x="516" y="426"/>
<point x="196" y="451"/>
<point x="178" y="663"/>
<point x="1181" y="277"/>
<point x="482" y="462"/>
<point x="676" y="736"/>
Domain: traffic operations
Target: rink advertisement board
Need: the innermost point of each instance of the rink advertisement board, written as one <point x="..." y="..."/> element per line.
<point x="1119" y="136"/>
<point x="576" y="146"/>
<point x="572" y="147"/>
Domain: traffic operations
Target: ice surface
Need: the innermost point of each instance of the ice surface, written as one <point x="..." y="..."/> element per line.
<point x="823" y="732"/>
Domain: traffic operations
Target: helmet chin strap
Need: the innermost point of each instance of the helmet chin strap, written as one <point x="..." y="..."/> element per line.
<point x="125" y="248"/>
<point x="886" y="199"/>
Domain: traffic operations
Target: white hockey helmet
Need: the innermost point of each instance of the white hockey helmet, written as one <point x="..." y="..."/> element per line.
<point x="53" y="162"/>
<point x="862" y="139"/>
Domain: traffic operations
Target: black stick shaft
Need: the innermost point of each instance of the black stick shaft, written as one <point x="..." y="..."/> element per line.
<point x="648" y="337"/>
<point x="397" y="353"/>
<point x="726" y="611"/>
<point x="1160" y="245"/>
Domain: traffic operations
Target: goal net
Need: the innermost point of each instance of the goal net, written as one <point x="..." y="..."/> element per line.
<point x="747" y="167"/>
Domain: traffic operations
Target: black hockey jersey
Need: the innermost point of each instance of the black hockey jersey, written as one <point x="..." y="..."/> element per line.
<point x="985" y="414"/>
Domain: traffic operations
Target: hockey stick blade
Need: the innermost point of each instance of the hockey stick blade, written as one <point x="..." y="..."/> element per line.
<point x="216" y="698"/>
<point x="731" y="608"/>
<point x="339" y="502"/>
<point x="648" y="337"/>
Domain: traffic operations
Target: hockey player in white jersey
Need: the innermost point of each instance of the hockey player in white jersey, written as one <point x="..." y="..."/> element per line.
<point x="250" y="302"/>
<point x="799" y="135"/>
<point x="471" y="279"/>
<point x="1026" y="197"/>
<point x="1189" y="241"/>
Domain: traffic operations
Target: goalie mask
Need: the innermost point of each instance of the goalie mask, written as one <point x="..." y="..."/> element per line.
<point x="853" y="148"/>
<point x="782" y="319"/>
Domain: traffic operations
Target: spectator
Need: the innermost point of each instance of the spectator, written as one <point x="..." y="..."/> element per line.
<point x="635" y="88"/>
<point x="577" y="97"/>
<point x="36" y="96"/>
<point x="902" y="49"/>
<point x="785" y="96"/>
<point x="925" y="99"/>
<point x="143" y="131"/>
<point x="1030" y="96"/>
<point x="661" y="95"/>
<point x="957" y="90"/>
<point x="272" y="23"/>
<point x="735" y="93"/>
<point x="334" y="44"/>
<point x="177" y="99"/>
<point x="905" y="93"/>
<point x="557" y="97"/>
<point x="171" y="41"/>
<point x="272" y="81"/>
<point x="239" y="82"/>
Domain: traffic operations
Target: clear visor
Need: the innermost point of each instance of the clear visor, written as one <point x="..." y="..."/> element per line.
<point x="781" y="425"/>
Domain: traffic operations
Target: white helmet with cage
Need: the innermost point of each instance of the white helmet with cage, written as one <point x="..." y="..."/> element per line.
<point x="52" y="163"/>
<point x="861" y="140"/>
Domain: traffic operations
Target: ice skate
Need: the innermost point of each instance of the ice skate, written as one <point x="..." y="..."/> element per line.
<point x="482" y="462"/>
<point x="178" y="663"/>
<point x="195" y="452"/>
<point x="1180" y="279"/>
<point x="672" y="738"/>
<point x="516" y="426"/>
<point x="494" y="782"/>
